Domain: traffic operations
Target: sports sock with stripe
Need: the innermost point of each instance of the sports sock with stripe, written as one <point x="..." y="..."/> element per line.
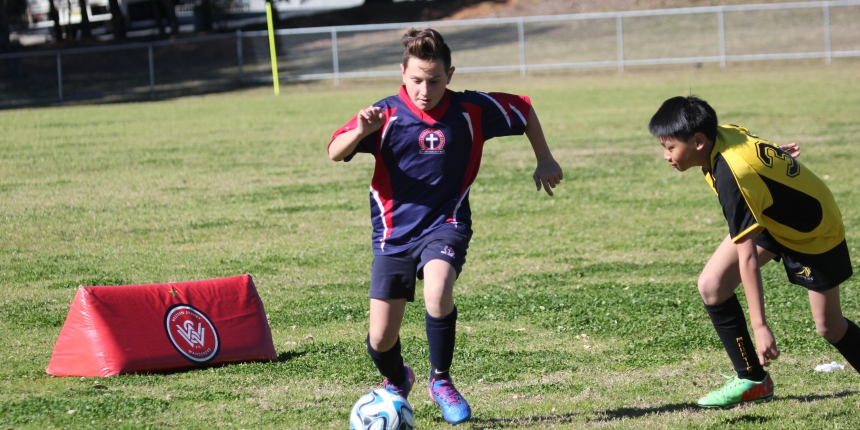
<point x="849" y="345"/>
<point x="731" y="325"/>
<point x="389" y="363"/>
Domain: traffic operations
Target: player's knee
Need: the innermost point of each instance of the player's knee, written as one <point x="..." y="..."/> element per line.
<point x="709" y="288"/>
<point x="382" y="342"/>
<point x="832" y="330"/>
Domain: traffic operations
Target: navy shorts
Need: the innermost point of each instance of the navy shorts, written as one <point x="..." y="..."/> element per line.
<point x="816" y="272"/>
<point x="393" y="276"/>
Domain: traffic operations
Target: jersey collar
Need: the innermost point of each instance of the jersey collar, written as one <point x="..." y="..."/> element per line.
<point x="430" y="116"/>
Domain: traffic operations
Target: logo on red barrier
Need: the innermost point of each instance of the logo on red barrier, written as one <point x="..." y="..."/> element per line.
<point x="191" y="333"/>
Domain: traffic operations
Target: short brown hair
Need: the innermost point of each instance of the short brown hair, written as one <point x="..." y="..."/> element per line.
<point x="427" y="45"/>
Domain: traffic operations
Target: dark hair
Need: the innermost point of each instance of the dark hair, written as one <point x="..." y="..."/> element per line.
<point x="682" y="117"/>
<point x="427" y="45"/>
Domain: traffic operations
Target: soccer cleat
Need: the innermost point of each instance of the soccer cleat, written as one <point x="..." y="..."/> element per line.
<point x="454" y="407"/>
<point x="737" y="390"/>
<point x="404" y="388"/>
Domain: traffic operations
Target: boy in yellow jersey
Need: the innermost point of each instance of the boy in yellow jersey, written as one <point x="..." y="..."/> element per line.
<point x="776" y="209"/>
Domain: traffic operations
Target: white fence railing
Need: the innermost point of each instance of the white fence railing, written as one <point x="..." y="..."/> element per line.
<point x="718" y="34"/>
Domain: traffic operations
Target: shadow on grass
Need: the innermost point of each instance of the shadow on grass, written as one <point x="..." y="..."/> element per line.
<point x="816" y="397"/>
<point x="567" y="418"/>
<point x="289" y="355"/>
<point x="633" y="412"/>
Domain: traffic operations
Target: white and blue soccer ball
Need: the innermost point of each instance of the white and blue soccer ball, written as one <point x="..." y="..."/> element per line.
<point x="381" y="410"/>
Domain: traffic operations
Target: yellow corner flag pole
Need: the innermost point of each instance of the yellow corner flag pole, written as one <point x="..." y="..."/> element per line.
<point x="272" y="48"/>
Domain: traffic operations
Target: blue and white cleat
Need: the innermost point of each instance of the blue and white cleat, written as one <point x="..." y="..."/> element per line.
<point x="404" y="388"/>
<point x="454" y="407"/>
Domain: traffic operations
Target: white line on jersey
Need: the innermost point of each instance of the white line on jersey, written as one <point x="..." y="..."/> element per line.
<point x="507" y="118"/>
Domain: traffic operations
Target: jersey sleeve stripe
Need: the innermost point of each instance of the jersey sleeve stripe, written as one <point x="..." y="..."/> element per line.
<point x="519" y="114"/>
<point x="501" y="109"/>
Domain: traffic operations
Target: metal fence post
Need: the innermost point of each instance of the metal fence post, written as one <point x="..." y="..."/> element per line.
<point x="336" y="66"/>
<point x="828" y="54"/>
<point x="619" y="30"/>
<point x="151" y="75"/>
<point x="239" y="54"/>
<point x="721" y="23"/>
<point x="60" y="77"/>
<point x="521" y="34"/>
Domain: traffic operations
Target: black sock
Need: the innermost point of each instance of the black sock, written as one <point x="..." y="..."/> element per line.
<point x="849" y="345"/>
<point x="389" y="363"/>
<point x="731" y="325"/>
<point x="441" y="333"/>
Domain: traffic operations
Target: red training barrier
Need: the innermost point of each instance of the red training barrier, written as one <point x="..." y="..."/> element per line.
<point x="162" y="327"/>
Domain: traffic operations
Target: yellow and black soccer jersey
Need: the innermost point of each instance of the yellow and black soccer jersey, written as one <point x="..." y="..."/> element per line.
<point x="762" y="187"/>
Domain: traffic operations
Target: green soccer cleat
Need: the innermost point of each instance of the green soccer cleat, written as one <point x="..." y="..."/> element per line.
<point x="736" y="391"/>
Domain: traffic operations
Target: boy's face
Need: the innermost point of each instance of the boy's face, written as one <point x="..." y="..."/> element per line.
<point x="425" y="81"/>
<point x="683" y="154"/>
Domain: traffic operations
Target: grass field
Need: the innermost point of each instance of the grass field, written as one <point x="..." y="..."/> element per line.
<point x="578" y="311"/>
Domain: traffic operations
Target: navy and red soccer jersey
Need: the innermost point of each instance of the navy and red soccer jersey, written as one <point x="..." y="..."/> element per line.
<point x="427" y="161"/>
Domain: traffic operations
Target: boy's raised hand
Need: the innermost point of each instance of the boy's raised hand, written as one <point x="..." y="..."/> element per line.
<point x="370" y="119"/>
<point x="547" y="174"/>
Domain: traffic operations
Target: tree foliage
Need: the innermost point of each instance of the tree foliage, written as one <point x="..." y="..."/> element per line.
<point x="11" y="12"/>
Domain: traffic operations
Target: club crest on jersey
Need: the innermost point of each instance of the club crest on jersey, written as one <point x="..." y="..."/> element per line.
<point x="431" y="141"/>
<point x="191" y="333"/>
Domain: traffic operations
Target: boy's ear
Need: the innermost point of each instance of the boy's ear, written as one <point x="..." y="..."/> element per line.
<point x="450" y="74"/>
<point x="700" y="140"/>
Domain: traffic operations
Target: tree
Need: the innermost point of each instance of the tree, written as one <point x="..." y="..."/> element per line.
<point x="170" y="6"/>
<point x="116" y="20"/>
<point x="86" y="30"/>
<point x="156" y="13"/>
<point x="276" y="17"/>
<point x="203" y="16"/>
<point x="11" y="12"/>
<point x="5" y="43"/>
<point x="54" y="15"/>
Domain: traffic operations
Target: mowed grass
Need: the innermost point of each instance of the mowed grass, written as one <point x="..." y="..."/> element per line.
<point x="576" y="311"/>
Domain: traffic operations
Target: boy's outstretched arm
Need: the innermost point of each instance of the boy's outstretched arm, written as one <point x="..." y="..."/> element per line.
<point x="765" y="343"/>
<point x="548" y="173"/>
<point x="370" y="119"/>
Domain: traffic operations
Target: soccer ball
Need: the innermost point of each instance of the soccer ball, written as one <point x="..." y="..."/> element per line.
<point x="381" y="410"/>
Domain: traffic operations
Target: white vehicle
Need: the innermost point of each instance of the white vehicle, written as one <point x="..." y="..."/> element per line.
<point x="69" y="12"/>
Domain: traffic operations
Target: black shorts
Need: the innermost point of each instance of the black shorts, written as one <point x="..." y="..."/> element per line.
<point x="393" y="276"/>
<point x="816" y="272"/>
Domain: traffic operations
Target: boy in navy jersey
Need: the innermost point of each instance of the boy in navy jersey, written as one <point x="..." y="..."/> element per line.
<point x="427" y="141"/>
<point x="776" y="208"/>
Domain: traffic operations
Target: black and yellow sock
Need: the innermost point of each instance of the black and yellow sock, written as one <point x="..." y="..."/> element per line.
<point x="731" y="325"/>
